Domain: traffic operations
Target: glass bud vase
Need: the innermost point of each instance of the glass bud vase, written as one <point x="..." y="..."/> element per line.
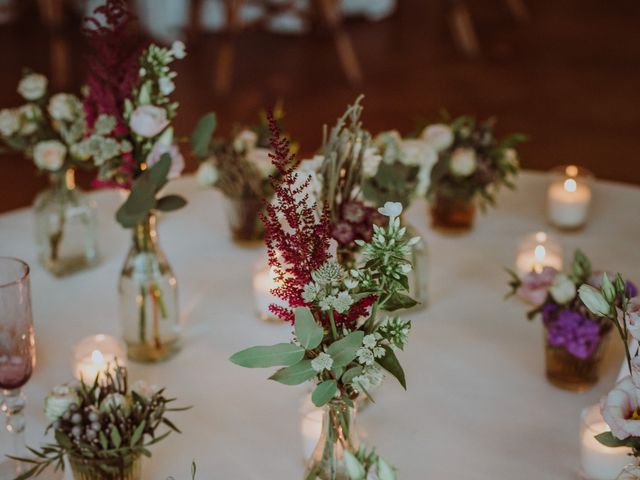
<point x="569" y="372"/>
<point x="630" y="472"/>
<point x="338" y="433"/>
<point x="243" y="215"/>
<point x="418" y="276"/>
<point x="148" y="294"/>
<point x="66" y="226"/>
<point x="452" y="213"/>
<point x="117" y="468"/>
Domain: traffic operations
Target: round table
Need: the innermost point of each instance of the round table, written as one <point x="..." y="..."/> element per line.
<point x="477" y="407"/>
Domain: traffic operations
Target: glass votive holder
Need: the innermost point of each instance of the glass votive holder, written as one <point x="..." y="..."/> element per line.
<point x="538" y="250"/>
<point x="264" y="281"/>
<point x="310" y="426"/>
<point x="97" y="355"/>
<point x="569" y="196"/>
<point x="598" y="462"/>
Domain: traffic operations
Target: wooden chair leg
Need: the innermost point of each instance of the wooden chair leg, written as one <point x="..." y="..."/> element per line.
<point x="195" y="15"/>
<point x="329" y="11"/>
<point x="463" y="30"/>
<point x="518" y="9"/>
<point x="226" y="55"/>
<point x="52" y="15"/>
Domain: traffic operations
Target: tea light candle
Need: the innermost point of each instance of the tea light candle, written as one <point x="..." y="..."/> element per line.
<point x="96" y="355"/>
<point x="598" y="462"/>
<point x="537" y="251"/>
<point x="264" y="281"/>
<point x="569" y="197"/>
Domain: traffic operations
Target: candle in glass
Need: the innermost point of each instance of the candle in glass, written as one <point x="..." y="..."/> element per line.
<point x="569" y="196"/>
<point x="264" y="281"/>
<point x="538" y="250"/>
<point x="598" y="462"/>
<point x="310" y="427"/>
<point x="96" y="355"/>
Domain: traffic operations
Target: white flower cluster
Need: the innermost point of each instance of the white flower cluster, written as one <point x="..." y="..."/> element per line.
<point x="371" y="378"/>
<point x="330" y="288"/>
<point x="370" y="350"/>
<point x="322" y="362"/>
<point x="98" y="146"/>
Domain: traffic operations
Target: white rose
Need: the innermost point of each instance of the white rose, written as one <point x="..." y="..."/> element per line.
<point x="178" y="49"/>
<point x="510" y="157"/>
<point x="463" y="162"/>
<point x="177" y="160"/>
<point x="245" y="140"/>
<point x="262" y="161"/>
<point x="439" y="136"/>
<point x="148" y="121"/>
<point x="59" y="400"/>
<point x="32" y="86"/>
<point x="562" y="289"/>
<point x="417" y="153"/>
<point x="9" y="122"/>
<point x="371" y="159"/>
<point x="166" y="85"/>
<point x="49" y="155"/>
<point x="115" y="400"/>
<point x="61" y="107"/>
<point x="29" y="115"/>
<point x="207" y="174"/>
<point x="145" y="390"/>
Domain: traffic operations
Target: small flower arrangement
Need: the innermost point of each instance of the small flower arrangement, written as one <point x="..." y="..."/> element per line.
<point x="472" y="165"/>
<point x="46" y="128"/>
<point x="103" y="428"/>
<point x="572" y="331"/>
<point x="342" y="342"/>
<point x="617" y="303"/>
<point x="240" y="168"/>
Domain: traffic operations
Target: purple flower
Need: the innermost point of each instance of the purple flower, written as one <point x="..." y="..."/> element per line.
<point x="579" y="335"/>
<point x="354" y="212"/>
<point x="631" y="289"/>
<point x="343" y="233"/>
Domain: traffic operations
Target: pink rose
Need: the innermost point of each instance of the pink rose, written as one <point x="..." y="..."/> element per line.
<point x="618" y="408"/>
<point x="148" y="120"/>
<point x="535" y="286"/>
<point x="177" y="160"/>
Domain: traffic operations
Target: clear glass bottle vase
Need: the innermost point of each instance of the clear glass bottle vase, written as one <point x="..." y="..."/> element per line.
<point x="630" y="472"/>
<point x="419" y="274"/>
<point x="117" y="468"/>
<point x="66" y="226"/>
<point x="338" y="433"/>
<point x="148" y="294"/>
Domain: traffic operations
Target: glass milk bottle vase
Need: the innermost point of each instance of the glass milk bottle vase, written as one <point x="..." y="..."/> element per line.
<point x="418" y="276"/>
<point x="66" y="226"/>
<point x="148" y="293"/>
<point x="338" y="433"/>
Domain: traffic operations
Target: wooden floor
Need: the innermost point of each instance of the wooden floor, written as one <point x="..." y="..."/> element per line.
<point x="570" y="77"/>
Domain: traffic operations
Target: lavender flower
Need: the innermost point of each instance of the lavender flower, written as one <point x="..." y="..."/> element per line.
<point x="579" y="335"/>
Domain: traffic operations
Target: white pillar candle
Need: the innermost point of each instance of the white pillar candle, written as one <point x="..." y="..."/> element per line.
<point x="536" y="251"/>
<point x="264" y="281"/>
<point x="97" y="355"/>
<point x="569" y="197"/>
<point x="598" y="462"/>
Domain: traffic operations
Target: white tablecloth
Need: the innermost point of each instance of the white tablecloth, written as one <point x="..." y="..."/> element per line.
<point x="477" y="407"/>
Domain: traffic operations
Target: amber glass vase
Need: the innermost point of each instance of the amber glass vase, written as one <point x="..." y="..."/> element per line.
<point x="243" y="215"/>
<point x="118" y="468"/>
<point x="569" y="372"/>
<point x="452" y="213"/>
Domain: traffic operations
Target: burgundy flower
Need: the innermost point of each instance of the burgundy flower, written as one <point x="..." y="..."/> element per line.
<point x="343" y="233"/>
<point x="354" y="212"/>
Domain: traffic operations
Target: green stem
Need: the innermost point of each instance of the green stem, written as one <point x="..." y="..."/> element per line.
<point x="143" y="315"/>
<point x="332" y="321"/>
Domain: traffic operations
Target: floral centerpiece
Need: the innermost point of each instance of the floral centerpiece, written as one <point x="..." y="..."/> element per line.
<point x="342" y="342"/>
<point x="472" y="165"/>
<point x="48" y="129"/>
<point x="575" y="339"/>
<point x="240" y="169"/>
<point x="103" y="429"/>
<point x="617" y="302"/>
<point x="131" y="142"/>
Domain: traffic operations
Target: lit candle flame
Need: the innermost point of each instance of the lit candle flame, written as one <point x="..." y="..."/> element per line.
<point x="541" y="237"/>
<point x="571" y="171"/>
<point x="539" y="252"/>
<point x="97" y="357"/>
<point x="570" y="185"/>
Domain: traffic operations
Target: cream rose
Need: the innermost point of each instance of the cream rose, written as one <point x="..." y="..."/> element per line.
<point x="62" y="106"/>
<point x="418" y="153"/>
<point x="562" y="289"/>
<point x="245" y="140"/>
<point x="177" y="160"/>
<point x="207" y="174"/>
<point x="9" y="122"/>
<point x="148" y="121"/>
<point x="59" y="401"/>
<point x="49" y="155"/>
<point x="439" y="136"/>
<point x="32" y="86"/>
<point x="463" y="162"/>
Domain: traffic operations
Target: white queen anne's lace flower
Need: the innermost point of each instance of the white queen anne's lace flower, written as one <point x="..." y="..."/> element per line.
<point x="342" y="302"/>
<point x="365" y="356"/>
<point x="322" y="362"/>
<point x="310" y="292"/>
<point x="369" y="341"/>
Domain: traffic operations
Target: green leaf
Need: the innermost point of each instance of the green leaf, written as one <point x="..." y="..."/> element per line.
<point x="159" y="171"/>
<point x="324" y="392"/>
<point x="355" y="470"/>
<point x="308" y="332"/>
<point x="138" y="204"/>
<point x="399" y="301"/>
<point x="385" y="471"/>
<point x="201" y="136"/>
<point x="350" y="374"/>
<point x="607" y="439"/>
<point x="137" y="434"/>
<point x="281" y="354"/>
<point x="391" y="364"/>
<point x="344" y="350"/>
<point x="63" y="440"/>
<point x="295" y="374"/>
<point x="169" y="203"/>
<point x="116" y="439"/>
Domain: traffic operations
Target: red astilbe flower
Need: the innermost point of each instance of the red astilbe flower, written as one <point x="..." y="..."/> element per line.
<point x="297" y="240"/>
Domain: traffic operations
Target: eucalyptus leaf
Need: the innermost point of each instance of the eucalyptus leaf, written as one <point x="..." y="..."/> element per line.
<point x="344" y="350"/>
<point x="159" y="171"/>
<point x="201" y="136"/>
<point x="355" y="470"/>
<point x="281" y="354"/>
<point x="324" y="392"/>
<point x="308" y="332"/>
<point x="295" y="374"/>
<point x="169" y="203"/>
<point x="399" y="301"/>
<point x="391" y="364"/>
<point x="140" y="201"/>
<point x="385" y="471"/>
<point x="607" y="439"/>
<point x="350" y="374"/>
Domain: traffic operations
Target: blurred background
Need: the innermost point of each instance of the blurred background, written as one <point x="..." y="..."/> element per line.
<point x="566" y="73"/>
